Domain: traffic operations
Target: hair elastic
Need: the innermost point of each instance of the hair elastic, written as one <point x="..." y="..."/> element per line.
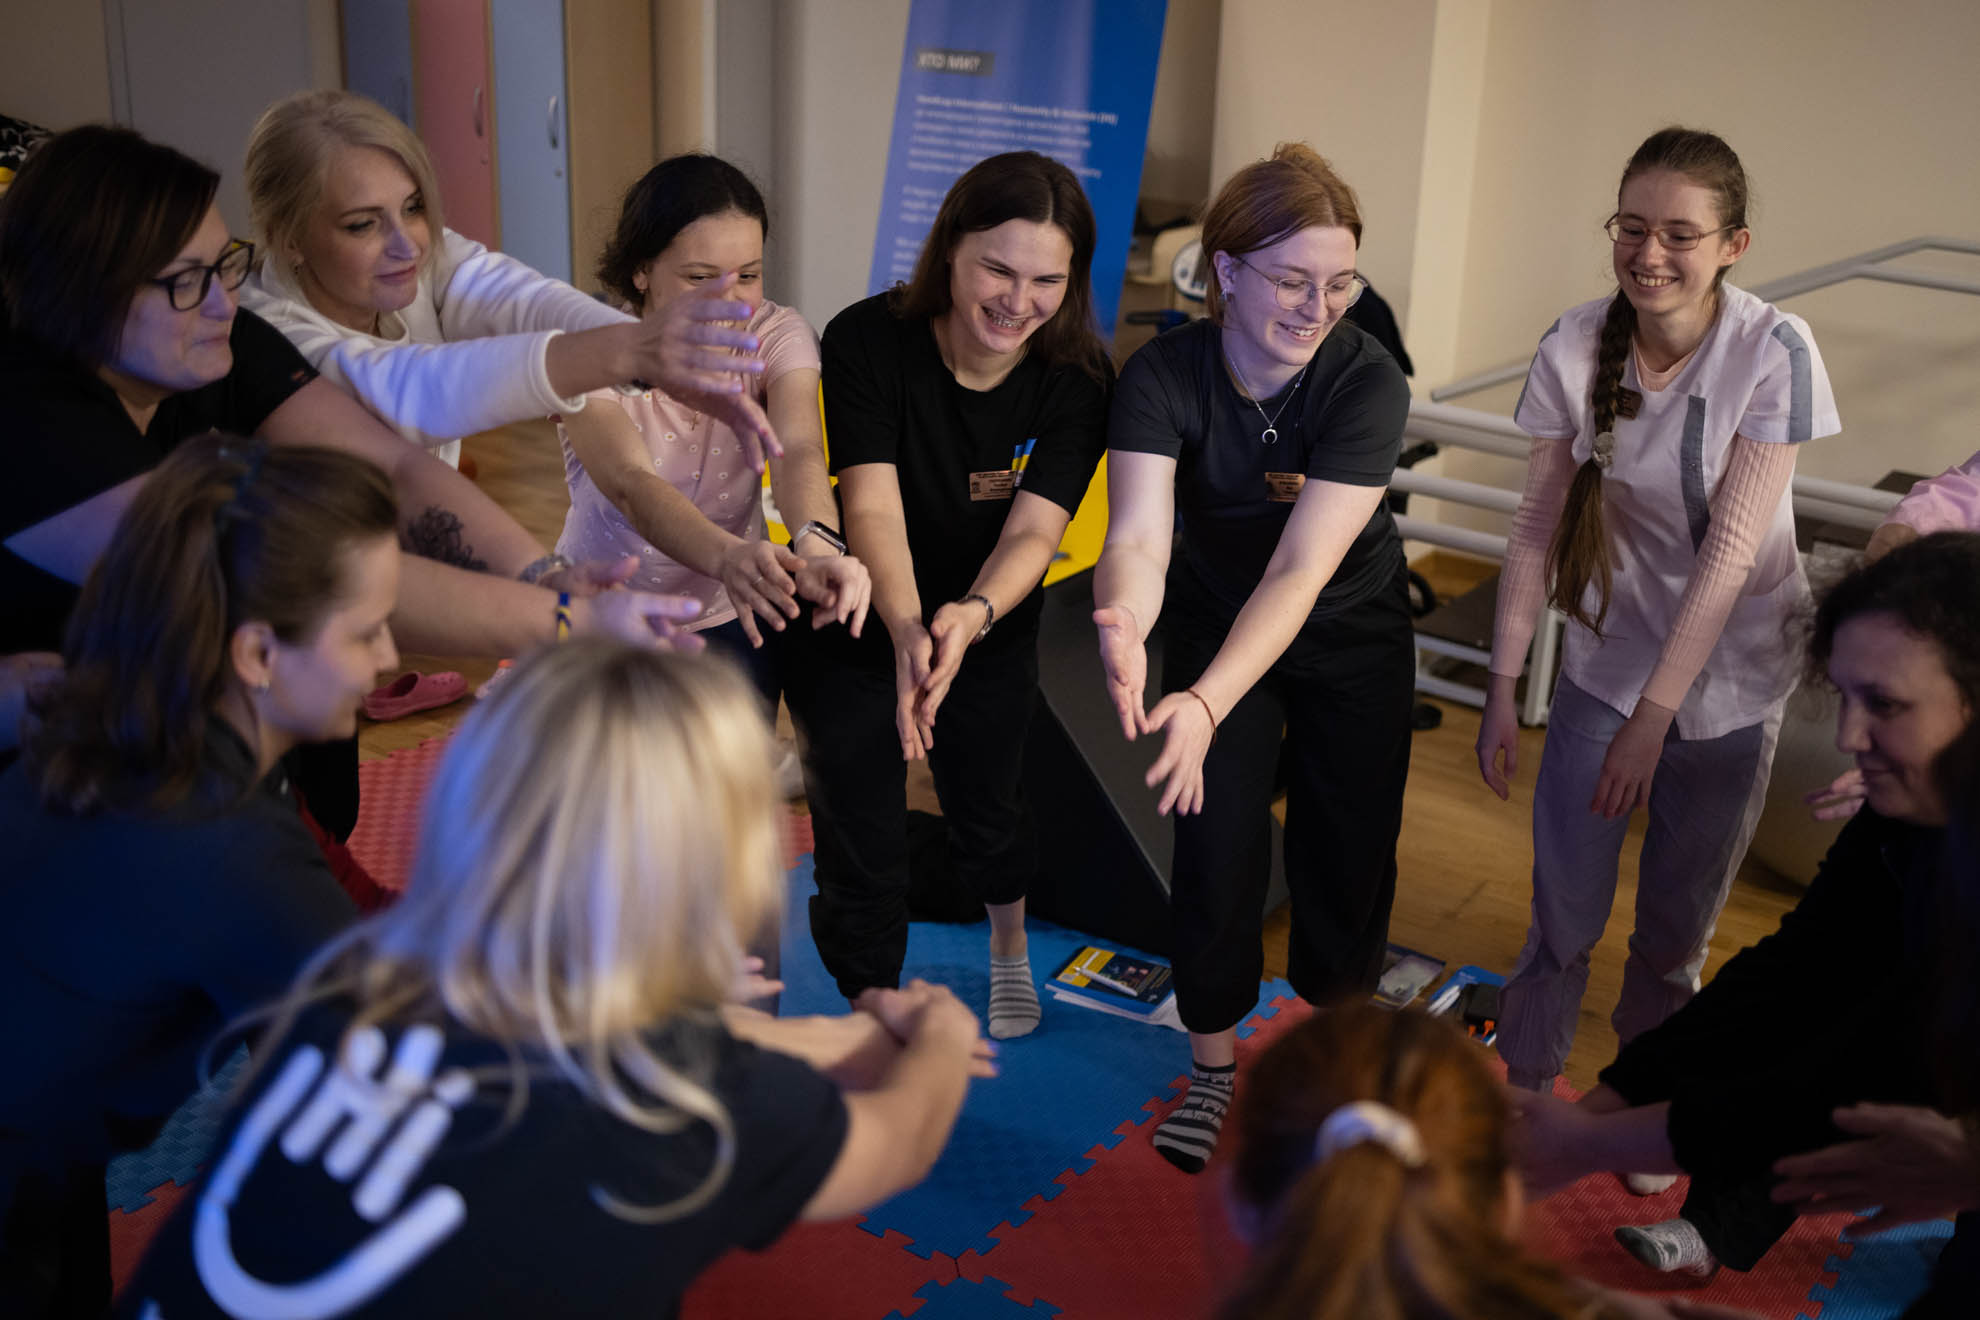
<point x="1365" y="1120"/>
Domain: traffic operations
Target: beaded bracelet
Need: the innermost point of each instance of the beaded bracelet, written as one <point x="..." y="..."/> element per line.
<point x="1206" y="710"/>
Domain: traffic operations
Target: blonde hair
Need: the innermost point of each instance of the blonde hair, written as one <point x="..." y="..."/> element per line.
<point x="598" y="845"/>
<point x="289" y="152"/>
<point x="1272" y="199"/>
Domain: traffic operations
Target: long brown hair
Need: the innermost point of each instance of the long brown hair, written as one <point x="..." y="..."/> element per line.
<point x="1017" y="185"/>
<point x="1267" y="200"/>
<point x="93" y="214"/>
<point x="1580" y="551"/>
<point x="224" y="531"/>
<point x="1359" y="1235"/>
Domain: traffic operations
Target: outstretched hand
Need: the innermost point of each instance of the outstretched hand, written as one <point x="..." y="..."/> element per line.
<point x="1911" y="1162"/>
<point x="1185" y="720"/>
<point x="1125" y="658"/>
<point x="697" y="352"/>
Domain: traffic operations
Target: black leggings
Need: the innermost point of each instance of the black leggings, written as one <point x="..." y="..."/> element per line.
<point x="841" y="696"/>
<point x="1338" y="701"/>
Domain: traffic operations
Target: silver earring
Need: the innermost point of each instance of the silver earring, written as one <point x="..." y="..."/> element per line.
<point x="261" y="688"/>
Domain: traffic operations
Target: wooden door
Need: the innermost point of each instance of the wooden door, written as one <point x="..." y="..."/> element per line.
<point x="456" y="110"/>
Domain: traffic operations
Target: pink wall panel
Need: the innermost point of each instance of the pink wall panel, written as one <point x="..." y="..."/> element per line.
<point x="457" y="110"/>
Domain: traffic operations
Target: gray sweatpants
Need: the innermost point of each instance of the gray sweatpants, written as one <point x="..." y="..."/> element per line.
<point x="1705" y="800"/>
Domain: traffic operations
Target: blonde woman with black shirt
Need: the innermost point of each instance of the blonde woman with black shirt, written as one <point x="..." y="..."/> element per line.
<point x="1273" y="429"/>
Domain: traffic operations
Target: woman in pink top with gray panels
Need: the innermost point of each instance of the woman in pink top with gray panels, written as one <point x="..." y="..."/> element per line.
<point x="1657" y="517"/>
<point x="654" y="477"/>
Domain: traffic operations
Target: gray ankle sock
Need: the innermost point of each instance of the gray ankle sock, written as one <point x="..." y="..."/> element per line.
<point x="1188" y="1136"/>
<point x="1674" y="1244"/>
<point x="1013" y="998"/>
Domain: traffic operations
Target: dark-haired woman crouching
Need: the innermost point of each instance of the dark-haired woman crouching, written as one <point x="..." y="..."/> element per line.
<point x="159" y="878"/>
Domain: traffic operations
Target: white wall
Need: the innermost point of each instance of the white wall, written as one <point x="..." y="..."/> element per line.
<point x="838" y="66"/>
<point x="1354" y="81"/>
<point x="1855" y="124"/>
<point x="58" y="73"/>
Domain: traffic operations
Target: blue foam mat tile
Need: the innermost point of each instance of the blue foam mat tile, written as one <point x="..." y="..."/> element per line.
<point x="182" y="1145"/>
<point x="1881" y="1275"/>
<point x="959" y="1299"/>
<point x="1023" y="1129"/>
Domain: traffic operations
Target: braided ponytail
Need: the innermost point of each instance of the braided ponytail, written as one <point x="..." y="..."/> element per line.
<point x="1579" y="554"/>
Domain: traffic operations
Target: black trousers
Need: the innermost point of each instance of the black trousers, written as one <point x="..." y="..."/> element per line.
<point x="1338" y="701"/>
<point x="841" y="696"/>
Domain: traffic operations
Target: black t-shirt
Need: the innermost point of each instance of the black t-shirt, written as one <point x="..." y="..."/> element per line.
<point x="889" y="399"/>
<point x="67" y="439"/>
<point x="1175" y="398"/>
<point x="130" y="938"/>
<point x="477" y="1215"/>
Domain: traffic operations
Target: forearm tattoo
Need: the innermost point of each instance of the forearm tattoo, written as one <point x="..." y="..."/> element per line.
<point x="436" y="534"/>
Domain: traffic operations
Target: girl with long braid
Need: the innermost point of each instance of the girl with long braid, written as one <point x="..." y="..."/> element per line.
<point x="1657" y="517"/>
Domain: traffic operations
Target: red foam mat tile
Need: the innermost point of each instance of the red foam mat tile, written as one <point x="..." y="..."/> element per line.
<point x="821" y="1272"/>
<point x="392" y="788"/>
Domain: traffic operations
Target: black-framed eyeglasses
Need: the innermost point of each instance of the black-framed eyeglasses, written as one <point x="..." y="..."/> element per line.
<point x="1294" y="294"/>
<point x="188" y="288"/>
<point x="1634" y="233"/>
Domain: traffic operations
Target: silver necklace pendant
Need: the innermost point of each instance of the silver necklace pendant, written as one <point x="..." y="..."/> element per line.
<point x="1270" y="435"/>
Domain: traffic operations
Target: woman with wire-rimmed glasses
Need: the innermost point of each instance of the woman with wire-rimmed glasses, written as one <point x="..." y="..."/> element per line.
<point x="1657" y="516"/>
<point x="1273" y="429"/>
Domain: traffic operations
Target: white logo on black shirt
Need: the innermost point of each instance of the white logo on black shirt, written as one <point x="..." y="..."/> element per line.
<point x="373" y="1107"/>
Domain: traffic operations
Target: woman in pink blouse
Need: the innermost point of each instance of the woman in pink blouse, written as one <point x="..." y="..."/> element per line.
<point x="653" y="477"/>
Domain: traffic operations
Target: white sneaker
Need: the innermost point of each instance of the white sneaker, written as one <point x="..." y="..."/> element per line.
<point x="1649" y="1184"/>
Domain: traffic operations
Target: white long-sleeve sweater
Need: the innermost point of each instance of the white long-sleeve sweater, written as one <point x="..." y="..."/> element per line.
<point x="466" y="354"/>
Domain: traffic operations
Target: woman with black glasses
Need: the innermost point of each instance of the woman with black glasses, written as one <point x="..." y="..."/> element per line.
<point x="121" y="336"/>
<point x="1272" y="428"/>
<point x="1657" y="516"/>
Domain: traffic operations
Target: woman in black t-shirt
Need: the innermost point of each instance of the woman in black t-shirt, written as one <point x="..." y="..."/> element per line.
<point x="525" y="1088"/>
<point x="1273" y="428"/>
<point x="965" y="412"/>
<point x="159" y="879"/>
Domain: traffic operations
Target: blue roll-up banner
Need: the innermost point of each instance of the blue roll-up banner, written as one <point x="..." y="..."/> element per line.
<point x="1072" y="79"/>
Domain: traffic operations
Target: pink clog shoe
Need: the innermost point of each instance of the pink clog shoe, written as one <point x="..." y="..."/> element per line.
<point x="413" y="691"/>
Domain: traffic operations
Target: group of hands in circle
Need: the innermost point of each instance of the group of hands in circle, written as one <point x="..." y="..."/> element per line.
<point x="701" y="353"/>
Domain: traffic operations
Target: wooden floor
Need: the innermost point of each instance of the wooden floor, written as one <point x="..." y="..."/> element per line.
<point x="1464" y="857"/>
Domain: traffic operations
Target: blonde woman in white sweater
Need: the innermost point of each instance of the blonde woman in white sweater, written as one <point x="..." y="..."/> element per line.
<point x="434" y="333"/>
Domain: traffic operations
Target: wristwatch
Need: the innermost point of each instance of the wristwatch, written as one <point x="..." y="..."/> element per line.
<point x="989" y="614"/>
<point x="550" y="563"/>
<point x="829" y="535"/>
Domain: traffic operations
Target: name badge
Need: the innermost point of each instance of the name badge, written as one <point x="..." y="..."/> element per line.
<point x="1283" y="487"/>
<point x="993" y="485"/>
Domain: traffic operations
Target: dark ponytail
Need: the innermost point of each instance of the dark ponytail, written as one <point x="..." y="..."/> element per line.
<point x="1579" y="555"/>
<point x="225" y="531"/>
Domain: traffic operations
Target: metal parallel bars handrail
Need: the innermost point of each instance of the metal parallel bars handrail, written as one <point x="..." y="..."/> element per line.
<point x="1865" y="266"/>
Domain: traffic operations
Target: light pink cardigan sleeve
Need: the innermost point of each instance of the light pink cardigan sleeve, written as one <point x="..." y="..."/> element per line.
<point x="1742" y="509"/>
<point x="1949" y="502"/>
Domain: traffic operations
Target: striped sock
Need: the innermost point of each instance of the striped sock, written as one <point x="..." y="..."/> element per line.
<point x="1013" y="998"/>
<point x="1187" y="1136"/>
<point x="1675" y="1244"/>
